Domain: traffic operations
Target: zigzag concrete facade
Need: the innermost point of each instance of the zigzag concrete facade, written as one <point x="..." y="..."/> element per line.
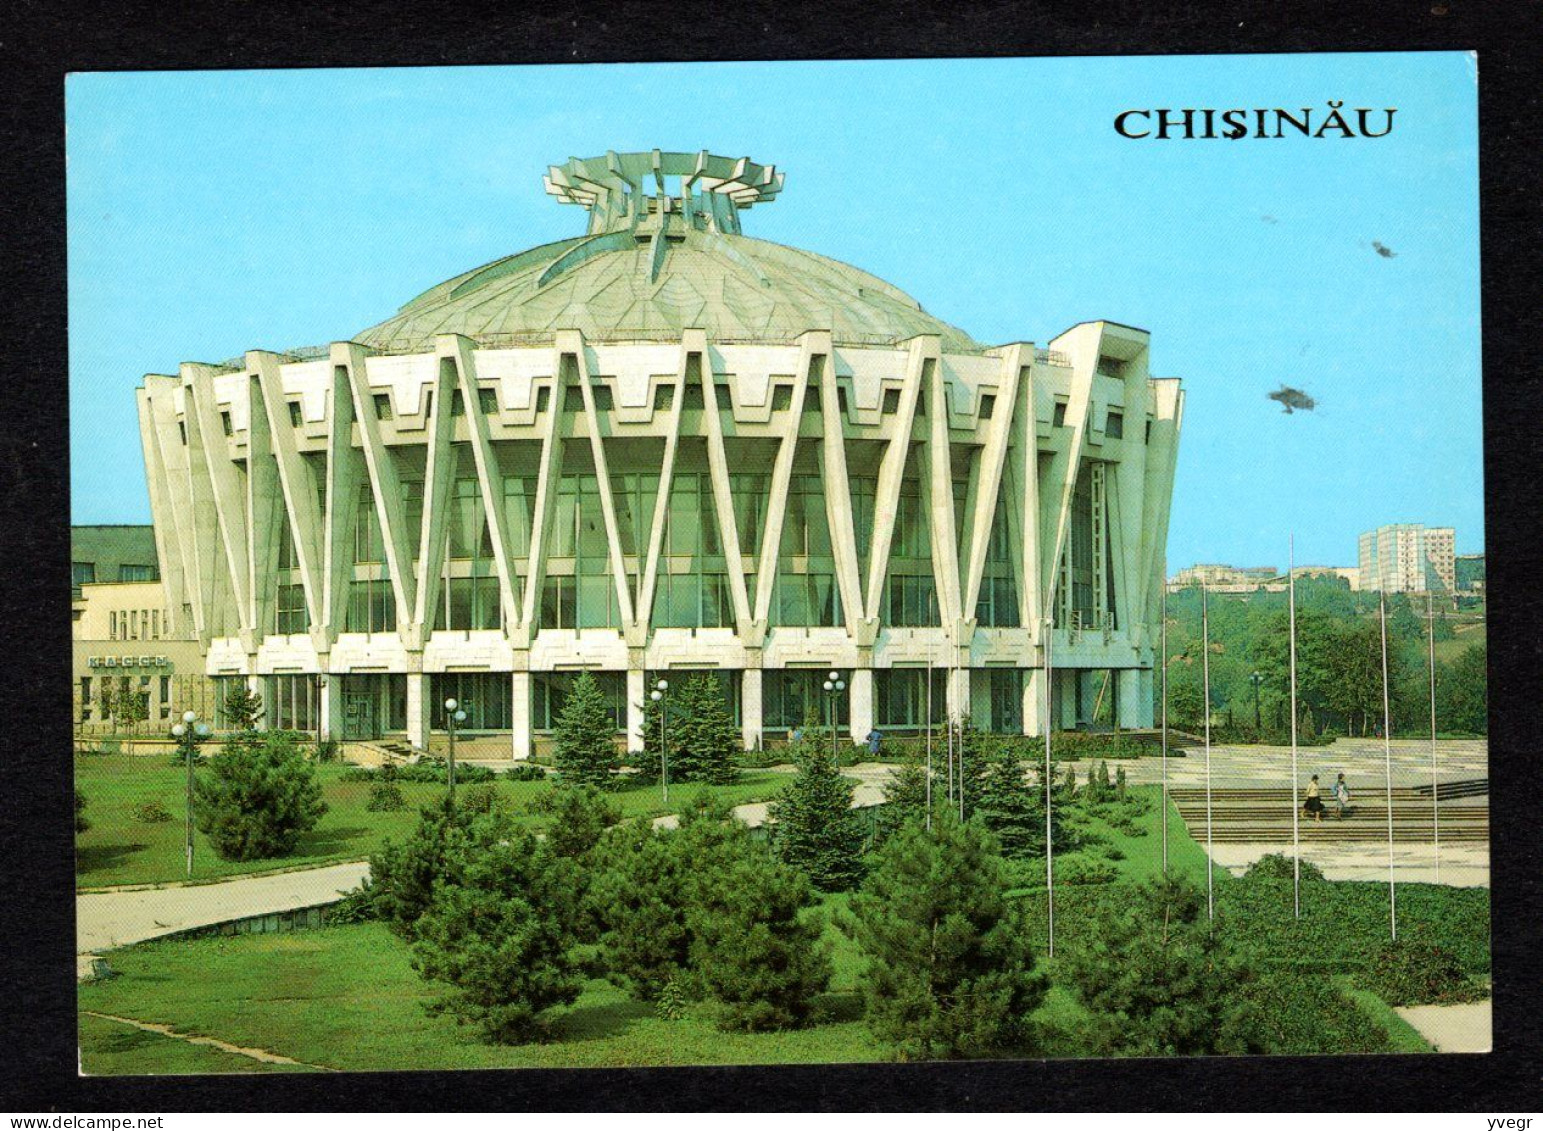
<point x="666" y="445"/>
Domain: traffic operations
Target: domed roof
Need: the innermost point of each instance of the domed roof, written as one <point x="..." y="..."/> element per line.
<point x="654" y="265"/>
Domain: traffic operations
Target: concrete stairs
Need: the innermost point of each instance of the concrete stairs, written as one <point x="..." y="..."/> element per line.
<point x="1263" y="815"/>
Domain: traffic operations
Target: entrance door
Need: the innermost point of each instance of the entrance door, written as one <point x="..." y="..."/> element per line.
<point x="359" y="714"/>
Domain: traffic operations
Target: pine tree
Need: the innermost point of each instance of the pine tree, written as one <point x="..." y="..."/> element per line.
<point x="816" y="829"/>
<point x="402" y="876"/>
<point x="259" y="795"/>
<point x="905" y="799"/>
<point x="950" y="967"/>
<point x="243" y="707"/>
<point x="1158" y="980"/>
<point x="585" y="747"/>
<point x="755" y="947"/>
<point x="1009" y="806"/>
<point x="705" y="739"/>
<point x="501" y="939"/>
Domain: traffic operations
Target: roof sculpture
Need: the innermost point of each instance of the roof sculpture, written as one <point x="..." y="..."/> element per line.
<point x="663" y="252"/>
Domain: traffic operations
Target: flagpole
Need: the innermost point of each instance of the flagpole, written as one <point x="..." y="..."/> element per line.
<point x="1387" y="757"/>
<point x="1435" y="801"/>
<point x="1296" y="831"/>
<point x="1163" y="636"/>
<point x="1049" y="786"/>
<point x="929" y="744"/>
<point x="1205" y="665"/>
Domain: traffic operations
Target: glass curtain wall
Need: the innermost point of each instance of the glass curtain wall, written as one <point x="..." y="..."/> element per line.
<point x="807" y="595"/>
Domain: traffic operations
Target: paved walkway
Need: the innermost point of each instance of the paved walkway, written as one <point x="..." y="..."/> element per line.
<point x="1452" y="1028"/>
<point x="104" y="920"/>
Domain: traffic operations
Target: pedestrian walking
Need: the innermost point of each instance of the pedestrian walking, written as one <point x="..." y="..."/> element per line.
<point x="1341" y="797"/>
<point x="1313" y="806"/>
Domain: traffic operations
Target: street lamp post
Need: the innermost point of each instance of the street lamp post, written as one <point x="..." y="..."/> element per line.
<point x="1256" y="679"/>
<point x="657" y="695"/>
<point x="319" y="683"/>
<point x="834" y="685"/>
<point x="188" y="732"/>
<point x="453" y="716"/>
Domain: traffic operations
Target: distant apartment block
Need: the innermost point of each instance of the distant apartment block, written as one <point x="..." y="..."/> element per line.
<point x="1408" y="558"/>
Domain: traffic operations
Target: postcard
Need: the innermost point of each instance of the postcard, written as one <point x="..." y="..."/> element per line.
<point x="777" y="563"/>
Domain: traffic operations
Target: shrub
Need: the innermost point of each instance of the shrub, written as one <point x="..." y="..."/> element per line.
<point x="81" y="824"/>
<point x="1157" y="980"/>
<point x="816" y="829"/>
<point x="525" y="771"/>
<point x="327" y="750"/>
<point x="483" y="798"/>
<point x="950" y="971"/>
<point x="1414" y="972"/>
<point x="1085" y="870"/>
<point x="1067" y="745"/>
<point x="385" y="797"/>
<point x="1280" y="866"/>
<point x="260" y="795"/>
<point x="151" y="812"/>
<point x="583" y="740"/>
<point x="500" y="938"/>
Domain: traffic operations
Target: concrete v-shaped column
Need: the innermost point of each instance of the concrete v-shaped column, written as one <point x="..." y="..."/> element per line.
<point x="166" y="476"/>
<point x="1025" y="461"/>
<point x="548" y="473"/>
<point x="649" y="582"/>
<point x="937" y="466"/>
<point x="924" y="354"/>
<point x="385" y="485"/>
<point x="265" y="507"/>
<point x="204" y="544"/>
<point x="342" y="511"/>
<point x="723" y="498"/>
<point x="295" y="480"/>
<point x="1080" y="344"/>
<point x="438" y="475"/>
<point x="838" y="491"/>
<point x="1162" y="459"/>
<point x="993" y="459"/>
<point x="570" y="343"/>
<point x="1126" y="502"/>
<point x="205" y="434"/>
<point x="814" y="346"/>
<point x="460" y="352"/>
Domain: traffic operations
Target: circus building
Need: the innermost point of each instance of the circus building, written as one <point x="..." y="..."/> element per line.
<point x="661" y="445"/>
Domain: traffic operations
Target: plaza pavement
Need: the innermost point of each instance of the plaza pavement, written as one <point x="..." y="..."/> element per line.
<point x="1452" y="1028"/>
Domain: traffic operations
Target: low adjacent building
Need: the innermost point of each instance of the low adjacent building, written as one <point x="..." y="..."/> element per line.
<point x="127" y="646"/>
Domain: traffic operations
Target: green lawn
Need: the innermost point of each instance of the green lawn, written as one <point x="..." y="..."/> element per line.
<point x="111" y="1048"/>
<point x="118" y="849"/>
<point x="346" y="997"/>
<point x="1465" y="636"/>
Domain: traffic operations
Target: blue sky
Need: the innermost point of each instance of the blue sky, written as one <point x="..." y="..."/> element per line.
<point x="211" y="213"/>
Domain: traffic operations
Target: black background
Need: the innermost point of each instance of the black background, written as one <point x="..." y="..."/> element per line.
<point x="40" y="43"/>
